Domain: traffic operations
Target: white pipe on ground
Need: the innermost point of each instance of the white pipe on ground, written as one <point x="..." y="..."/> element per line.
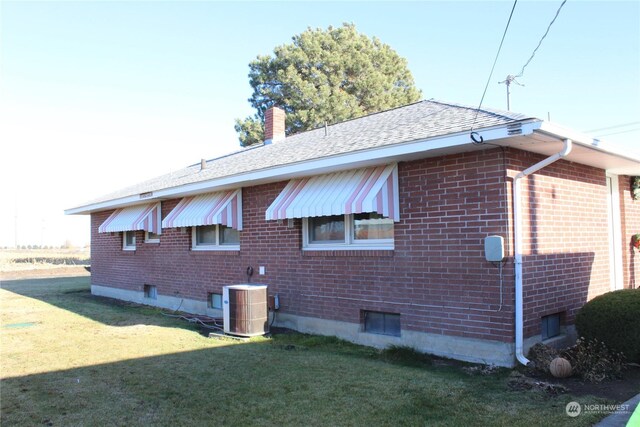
<point x="517" y="242"/>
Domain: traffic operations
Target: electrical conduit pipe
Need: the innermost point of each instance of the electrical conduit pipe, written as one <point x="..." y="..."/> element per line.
<point x="517" y="240"/>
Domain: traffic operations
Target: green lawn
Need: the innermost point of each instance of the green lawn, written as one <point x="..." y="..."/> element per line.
<point x="72" y="359"/>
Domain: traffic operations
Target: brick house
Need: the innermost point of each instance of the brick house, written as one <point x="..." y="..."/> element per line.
<point x="374" y="230"/>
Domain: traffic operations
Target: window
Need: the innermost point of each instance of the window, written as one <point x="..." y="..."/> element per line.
<point x="326" y="229"/>
<point x="372" y="226"/>
<point x="228" y="235"/>
<point x="550" y="326"/>
<point x="129" y="240"/>
<point x="215" y="301"/>
<point x="151" y="237"/>
<point x="376" y="322"/>
<point x="355" y="231"/>
<point x="215" y="237"/>
<point x="150" y="291"/>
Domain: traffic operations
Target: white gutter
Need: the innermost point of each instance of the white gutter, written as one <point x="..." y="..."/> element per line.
<point x="517" y="240"/>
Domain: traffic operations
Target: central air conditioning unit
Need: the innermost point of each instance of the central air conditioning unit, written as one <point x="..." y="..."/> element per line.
<point x="244" y="310"/>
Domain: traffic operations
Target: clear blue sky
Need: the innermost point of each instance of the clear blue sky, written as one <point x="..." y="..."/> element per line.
<point x="95" y="96"/>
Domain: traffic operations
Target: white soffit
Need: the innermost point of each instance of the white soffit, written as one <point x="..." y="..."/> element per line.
<point x="548" y="140"/>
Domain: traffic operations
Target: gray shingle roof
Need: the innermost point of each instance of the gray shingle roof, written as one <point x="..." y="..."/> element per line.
<point x="422" y="120"/>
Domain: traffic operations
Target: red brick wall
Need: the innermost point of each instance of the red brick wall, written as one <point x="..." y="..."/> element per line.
<point x="630" y="214"/>
<point x="436" y="278"/>
<point x="448" y="205"/>
<point x="566" y="238"/>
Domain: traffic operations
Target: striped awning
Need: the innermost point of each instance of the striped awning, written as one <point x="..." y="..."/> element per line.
<point x="223" y="207"/>
<point x="145" y="217"/>
<point x="354" y="191"/>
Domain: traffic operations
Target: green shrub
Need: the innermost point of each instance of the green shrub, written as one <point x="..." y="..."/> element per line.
<point x="613" y="319"/>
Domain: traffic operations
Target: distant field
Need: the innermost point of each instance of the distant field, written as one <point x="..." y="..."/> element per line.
<point x="30" y="259"/>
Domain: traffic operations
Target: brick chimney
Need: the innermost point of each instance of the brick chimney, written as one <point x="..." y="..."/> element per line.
<point x="273" y="125"/>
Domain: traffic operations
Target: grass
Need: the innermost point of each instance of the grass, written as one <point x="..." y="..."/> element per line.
<point x="69" y="358"/>
<point x="29" y="259"/>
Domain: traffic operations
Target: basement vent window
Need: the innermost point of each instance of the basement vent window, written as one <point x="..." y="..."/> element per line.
<point x="376" y="322"/>
<point x="215" y="301"/>
<point x="550" y="326"/>
<point x="150" y="292"/>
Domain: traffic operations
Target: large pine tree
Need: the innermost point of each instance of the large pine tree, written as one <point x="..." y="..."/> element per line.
<point x="326" y="76"/>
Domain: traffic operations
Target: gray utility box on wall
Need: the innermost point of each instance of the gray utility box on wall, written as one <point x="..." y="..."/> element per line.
<point x="494" y="248"/>
<point x="244" y="309"/>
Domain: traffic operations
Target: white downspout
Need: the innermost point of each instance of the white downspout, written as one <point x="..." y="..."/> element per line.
<point x="517" y="241"/>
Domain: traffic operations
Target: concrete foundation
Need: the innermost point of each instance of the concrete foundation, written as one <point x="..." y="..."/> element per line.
<point x="460" y="348"/>
<point x="162" y="301"/>
<point x="565" y="339"/>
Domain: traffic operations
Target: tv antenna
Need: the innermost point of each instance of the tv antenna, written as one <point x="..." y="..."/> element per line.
<point x="510" y="79"/>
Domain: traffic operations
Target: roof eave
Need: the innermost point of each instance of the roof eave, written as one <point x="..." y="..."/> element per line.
<point x="429" y="147"/>
<point x="588" y="141"/>
<point x="588" y="150"/>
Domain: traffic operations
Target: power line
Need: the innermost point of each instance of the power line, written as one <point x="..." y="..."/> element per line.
<point x="612" y="127"/>
<point x="540" y="42"/>
<point x="494" y="63"/>
<point x="511" y="78"/>
<point x="618" y="133"/>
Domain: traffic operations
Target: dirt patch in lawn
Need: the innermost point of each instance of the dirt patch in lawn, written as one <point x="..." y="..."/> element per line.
<point x="619" y="390"/>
